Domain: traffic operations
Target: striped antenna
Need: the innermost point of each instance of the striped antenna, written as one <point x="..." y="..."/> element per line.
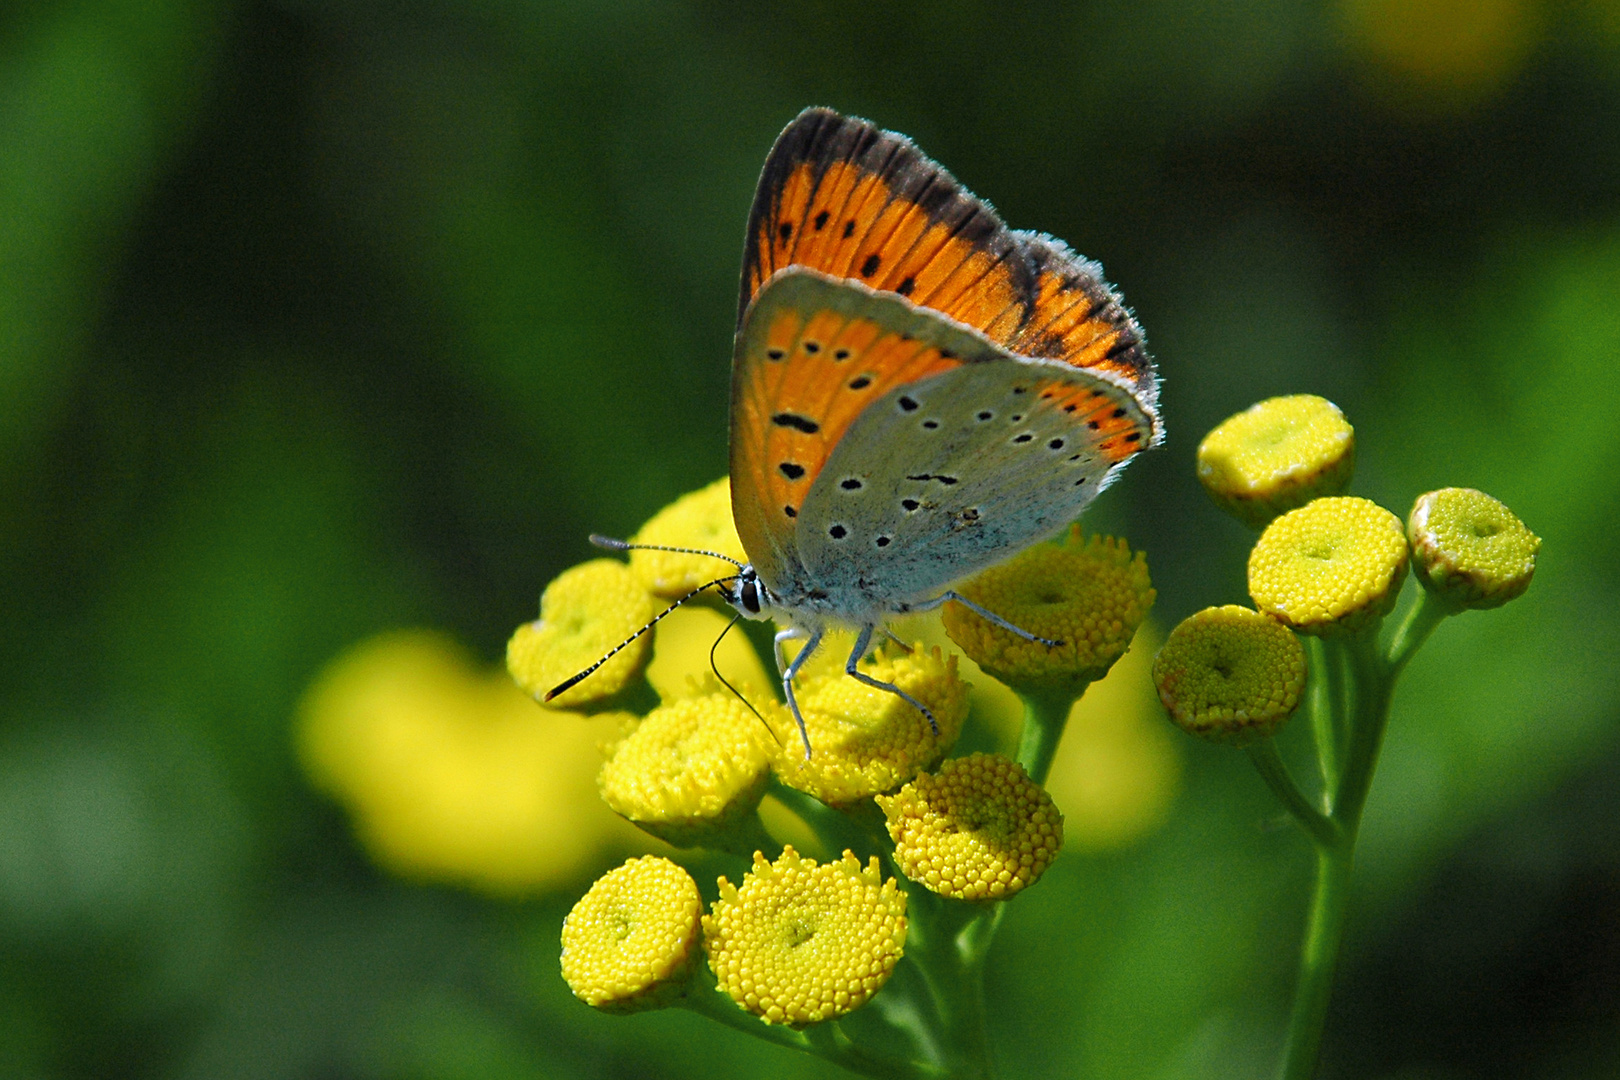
<point x="610" y="544"/>
<point x="568" y="684"/>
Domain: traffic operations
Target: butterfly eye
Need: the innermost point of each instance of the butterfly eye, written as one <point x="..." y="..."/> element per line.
<point x="749" y="595"/>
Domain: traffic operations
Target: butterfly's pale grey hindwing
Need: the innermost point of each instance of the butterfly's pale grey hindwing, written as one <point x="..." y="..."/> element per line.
<point x="924" y="491"/>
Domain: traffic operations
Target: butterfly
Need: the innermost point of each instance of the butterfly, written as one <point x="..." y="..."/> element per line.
<point x="917" y="391"/>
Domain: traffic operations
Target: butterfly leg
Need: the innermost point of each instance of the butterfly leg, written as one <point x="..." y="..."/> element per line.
<point x="862" y="641"/>
<point x="952" y="594"/>
<point x="792" y="633"/>
<point x="891" y="636"/>
<point x="791" y="670"/>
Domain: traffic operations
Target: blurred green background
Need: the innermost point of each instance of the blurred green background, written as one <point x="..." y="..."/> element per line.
<point x="321" y="318"/>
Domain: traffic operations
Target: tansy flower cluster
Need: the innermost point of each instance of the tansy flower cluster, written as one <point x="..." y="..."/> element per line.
<point x="801" y="940"/>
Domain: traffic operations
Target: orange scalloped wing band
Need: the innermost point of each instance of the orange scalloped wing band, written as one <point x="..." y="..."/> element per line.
<point x="845" y="198"/>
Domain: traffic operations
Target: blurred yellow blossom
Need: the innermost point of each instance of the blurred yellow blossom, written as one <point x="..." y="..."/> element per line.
<point x="1443" y="54"/>
<point x="799" y="942"/>
<point x="453" y="774"/>
<point x="680" y="662"/>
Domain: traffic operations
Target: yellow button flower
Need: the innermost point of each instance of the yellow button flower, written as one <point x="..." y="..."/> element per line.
<point x="863" y="740"/>
<point x="1089" y="595"/>
<point x="1276" y="455"/>
<point x="584" y="613"/>
<point x="798" y="943"/>
<point x="1333" y="566"/>
<point x="628" y="944"/>
<point x="979" y="829"/>
<point x="452" y="774"/>
<point x="1230" y="674"/>
<point x="1469" y="550"/>
<point x="701" y="519"/>
<point x="691" y="769"/>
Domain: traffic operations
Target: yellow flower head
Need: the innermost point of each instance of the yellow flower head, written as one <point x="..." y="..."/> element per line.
<point x="864" y="740"/>
<point x="1276" y="455"/>
<point x="979" y="829"/>
<point x="628" y="943"/>
<point x="1332" y="566"/>
<point x="453" y="774"/>
<point x="692" y="767"/>
<point x="701" y="519"/>
<point x="1469" y="550"/>
<point x="1089" y="595"/>
<point x="798" y="943"/>
<point x="1230" y="674"/>
<point x="584" y="613"/>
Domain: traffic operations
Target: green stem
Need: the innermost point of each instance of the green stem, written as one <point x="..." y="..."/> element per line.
<point x="1321" y="828"/>
<point x="1323" y="706"/>
<point x="1046" y="712"/>
<point x="1318" y="959"/>
<point x="1420" y="620"/>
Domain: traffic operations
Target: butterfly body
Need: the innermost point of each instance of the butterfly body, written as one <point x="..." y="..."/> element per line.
<point x="918" y="392"/>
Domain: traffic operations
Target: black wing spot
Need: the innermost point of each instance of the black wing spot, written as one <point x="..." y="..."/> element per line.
<point x="841" y="354"/>
<point x="945" y="354"/>
<point x="812" y="347"/>
<point x="859" y="382"/>
<point x="797" y="422"/>
<point x="909" y="504"/>
<point x="1076" y="457"/>
<point x="882" y="541"/>
<point x="849" y="228"/>
<point x="1117" y="413"/>
<point x="1093" y="425"/>
<point x="837" y="532"/>
<point x="851" y="484"/>
<point x="790" y="511"/>
<point x="905" y="287"/>
<point x="941" y="477"/>
<point x="1079" y="483"/>
<point x="1070" y="407"/>
<point x="791" y="470"/>
<point x="870" y="266"/>
<point x="821" y="220"/>
<point x="1133" y="436"/>
<point x="930" y="424"/>
<point x="1015" y="418"/>
<point x="1055" y="444"/>
<point x="1124" y="344"/>
<point x="1020" y="389"/>
<point x="1025" y="437"/>
<point x="987" y="415"/>
<point x="774" y="354"/>
<point x="785" y="232"/>
<point x="908" y="404"/>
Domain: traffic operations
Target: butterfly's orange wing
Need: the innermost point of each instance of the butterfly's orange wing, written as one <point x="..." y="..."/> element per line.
<point x="843" y="197"/>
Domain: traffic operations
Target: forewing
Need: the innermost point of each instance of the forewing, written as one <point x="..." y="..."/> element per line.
<point x="814" y="353"/>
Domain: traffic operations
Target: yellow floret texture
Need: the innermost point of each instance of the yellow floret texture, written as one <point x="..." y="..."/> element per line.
<point x="1230" y="674"/>
<point x="1090" y="596"/>
<point x="1332" y="566"/>
<point x="864" y="740"/>
<point x="799" y="942"/>
<point x="584" y="613"/>
<point x="692" y="765"/>
<point x="1277" y="455"/>
<point x="979" y="829"/>
<point x="628" y="943"/>
<point x="1470" y="550"/>
<point x="701" y="519"/>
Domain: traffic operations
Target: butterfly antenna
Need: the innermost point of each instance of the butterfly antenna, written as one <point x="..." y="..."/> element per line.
<point x="735" y="619"/>
<point x="568" y="684"/>
<point x="610" y="544"/>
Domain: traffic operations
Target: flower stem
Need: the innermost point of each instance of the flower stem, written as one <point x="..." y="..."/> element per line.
<point x="1323" y="830"/>
<point x="1420" y="620"/>
<point x="1318" y="958"/>
<point x="1045" y="715"/>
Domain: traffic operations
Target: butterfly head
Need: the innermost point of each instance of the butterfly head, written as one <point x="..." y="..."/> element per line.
<point x="748" y="594"/>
